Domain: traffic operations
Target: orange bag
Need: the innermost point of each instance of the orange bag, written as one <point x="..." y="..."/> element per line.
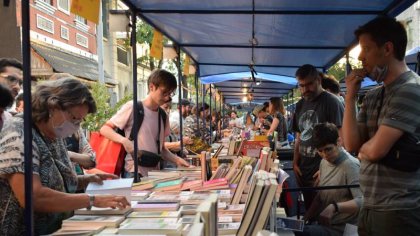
<point x="109" y="155"/>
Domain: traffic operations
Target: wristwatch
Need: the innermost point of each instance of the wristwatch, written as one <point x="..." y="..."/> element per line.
<point x="91" y="201"/>
<point x="335" y="207"/>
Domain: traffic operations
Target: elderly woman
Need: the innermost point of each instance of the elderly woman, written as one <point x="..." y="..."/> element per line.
<point x="58" y="108"/>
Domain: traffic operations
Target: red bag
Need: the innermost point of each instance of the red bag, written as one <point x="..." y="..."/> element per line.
<point x="109" y="155"/>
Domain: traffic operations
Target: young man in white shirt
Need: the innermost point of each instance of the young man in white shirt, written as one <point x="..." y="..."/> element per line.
<point x="162" y="85"/>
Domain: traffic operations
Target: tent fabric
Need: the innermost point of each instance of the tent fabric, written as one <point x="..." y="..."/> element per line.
<point x="276" y="37"/>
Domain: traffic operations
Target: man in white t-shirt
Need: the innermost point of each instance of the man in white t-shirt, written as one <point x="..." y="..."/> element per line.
<point x="162" y="85"/>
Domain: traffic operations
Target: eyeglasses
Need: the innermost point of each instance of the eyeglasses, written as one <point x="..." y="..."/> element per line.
<point x="325" y="150"/>
<point x="13" y="79"/>
<point x="168" y="93"/>
<point x="74" y="119"/>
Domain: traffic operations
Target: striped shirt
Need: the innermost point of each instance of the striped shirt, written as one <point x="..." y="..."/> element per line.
<point x="384" y="188"/>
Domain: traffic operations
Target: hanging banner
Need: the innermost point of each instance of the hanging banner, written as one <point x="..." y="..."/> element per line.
<point x="156" y="49"/>
<point x="88" y="9"/>
<point x="186" y="69"/>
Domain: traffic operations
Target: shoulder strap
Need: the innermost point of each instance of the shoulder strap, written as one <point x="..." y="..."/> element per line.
<point x="162" y="115"/>
<point x="141" y="118"/>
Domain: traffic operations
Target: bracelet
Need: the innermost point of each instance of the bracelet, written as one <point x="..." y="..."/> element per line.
<point x="91" y="201"/>
<point x="335" y="207"/>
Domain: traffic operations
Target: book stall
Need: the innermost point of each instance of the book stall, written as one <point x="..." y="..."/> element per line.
<point x="225" y="194"/>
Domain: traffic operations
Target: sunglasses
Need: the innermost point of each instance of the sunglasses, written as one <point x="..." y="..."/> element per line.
<point x="13" y="79"/>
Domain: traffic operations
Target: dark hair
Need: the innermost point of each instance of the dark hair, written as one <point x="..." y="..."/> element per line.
<point x="59" y="94"/>
<point x="6" y="97"/>
<point x="236" y="113"/>
<point x="200" y="106"/>
<point x="386" y="29"/>
<point x="307" y="70"/>
<point x="18" y="99"/>
<point x="328" y="82"/>
<point x="278" y="105"/>
<point x="5" y="62"/>
<point x="324" y="134"/>
<point x="265" y="104"/>
<point x="163" y="78"/>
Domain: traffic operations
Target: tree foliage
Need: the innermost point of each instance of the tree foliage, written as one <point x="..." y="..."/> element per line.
<point x="144" y="36"/>
<point x="93" y="122"/>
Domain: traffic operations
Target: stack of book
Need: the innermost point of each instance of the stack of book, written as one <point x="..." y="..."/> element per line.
<point x="261" y="195"/>
<point x="148" y="206"/>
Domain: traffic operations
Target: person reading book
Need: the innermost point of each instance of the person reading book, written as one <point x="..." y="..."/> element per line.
<point x="58" y="108"/>
<point x="151" y="142"/>
<point x="332" y="209"/>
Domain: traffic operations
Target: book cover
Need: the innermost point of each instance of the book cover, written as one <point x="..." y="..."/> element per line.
<point x="156" y="214"/>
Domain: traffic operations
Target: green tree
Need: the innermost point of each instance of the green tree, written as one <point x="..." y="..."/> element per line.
<point x="93" y="122"/>
<point x="145" y="36"/>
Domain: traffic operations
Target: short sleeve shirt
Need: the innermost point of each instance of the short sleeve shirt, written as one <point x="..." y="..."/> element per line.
<point x="386" y="188"/>
<point x="50" y="163"/>
<point x="147" y="136"/>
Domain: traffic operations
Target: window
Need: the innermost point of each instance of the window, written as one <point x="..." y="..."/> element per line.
<point x="46" y="1"/>
<point x="82" y="40"/>
<point x="122" y="56"/>
<point x="81" y="19"/>
<point x="64" y="6"/>
<point x="44" y="24"/>
<point x="64" y="33"/>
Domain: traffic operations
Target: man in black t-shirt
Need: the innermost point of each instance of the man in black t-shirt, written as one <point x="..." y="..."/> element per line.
<point x="316" y="106"/>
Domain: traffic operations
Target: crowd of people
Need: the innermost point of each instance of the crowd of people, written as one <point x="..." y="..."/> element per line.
<point x="335" y="144"/>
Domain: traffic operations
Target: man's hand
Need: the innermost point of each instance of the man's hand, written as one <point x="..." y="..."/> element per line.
<point x="181" y="162"/>
<point x="326" y="215"/>
<point x="187" y="140"/>
<point x="128" y="145"/>
<point x="354" y="81"/>
<point x="316" y="177"/>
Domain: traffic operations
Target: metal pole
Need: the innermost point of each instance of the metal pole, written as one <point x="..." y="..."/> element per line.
<point x="348" y="65"/>
<point x="210" y="118"/>
<point x="27" y="116"/>
<point x="99" y="45"/>
<point x="178" y="65"/>
<point x="135" y="107"/>
<point x="196" y="100"/>
<point x="202" y="107"/>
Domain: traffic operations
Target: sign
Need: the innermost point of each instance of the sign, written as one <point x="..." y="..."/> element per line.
<point x="88" y="9"/>
<point x="156" y="49"/>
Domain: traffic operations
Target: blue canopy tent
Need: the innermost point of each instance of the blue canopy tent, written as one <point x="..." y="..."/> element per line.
<point x="270" y="37"/>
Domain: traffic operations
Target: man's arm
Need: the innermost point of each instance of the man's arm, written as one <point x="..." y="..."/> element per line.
<point x="380" y="144"/>
<point x="354" y="134"/>
<point x="296" y="158"/>
<point x="108" y="131"/>
<point x="169" y="156"/>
